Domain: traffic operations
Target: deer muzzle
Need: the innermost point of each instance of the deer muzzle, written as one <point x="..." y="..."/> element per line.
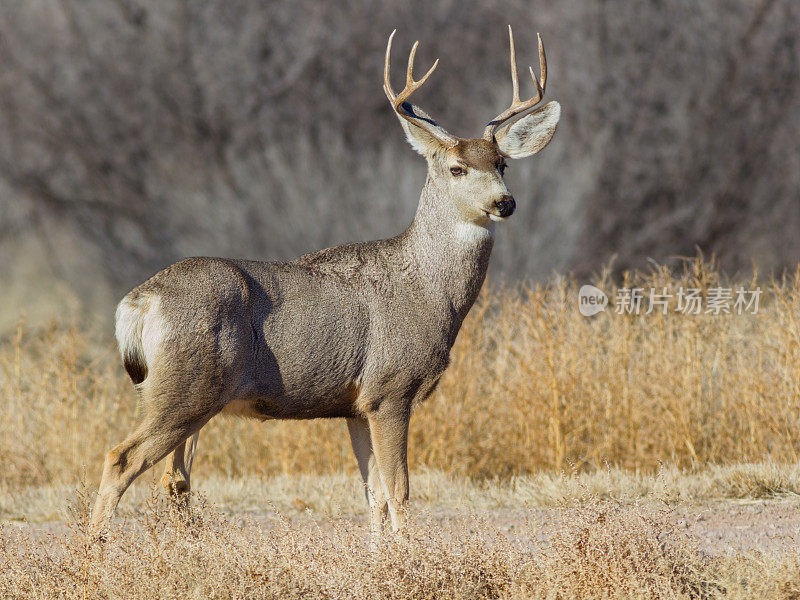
<point x="505" y="206"/>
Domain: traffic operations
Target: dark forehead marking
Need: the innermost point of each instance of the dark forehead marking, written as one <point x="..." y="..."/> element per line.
<point x="478" y="154"/>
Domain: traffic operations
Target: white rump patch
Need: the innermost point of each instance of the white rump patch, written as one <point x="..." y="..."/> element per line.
<point x="153" y="329"/>
<point x="128" y="326"/>
<point x="139" y="327"/>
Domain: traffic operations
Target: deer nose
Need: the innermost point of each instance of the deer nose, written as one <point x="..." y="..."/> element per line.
<point x="505" y="206"/>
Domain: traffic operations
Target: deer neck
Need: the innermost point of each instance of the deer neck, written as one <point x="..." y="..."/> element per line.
<point x="452" y="255"/>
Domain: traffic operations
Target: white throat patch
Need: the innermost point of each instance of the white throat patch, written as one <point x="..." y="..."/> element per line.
<point x="473" y="232"/>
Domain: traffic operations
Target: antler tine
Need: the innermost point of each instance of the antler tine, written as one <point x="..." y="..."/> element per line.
<point x="542" y="67"/>
<point x="387" y="85"/>
<point x="411" y="85"/>
<point x="517" y="106"/>
<point x="410" y="68"/>
<point x="514" y="79"/>
<point x="399" y="103"/>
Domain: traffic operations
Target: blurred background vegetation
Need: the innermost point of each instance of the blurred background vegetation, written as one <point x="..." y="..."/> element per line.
<point x="137" y="132"/>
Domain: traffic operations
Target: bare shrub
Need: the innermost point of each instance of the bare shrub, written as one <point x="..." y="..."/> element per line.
<point x="137" y="132"/>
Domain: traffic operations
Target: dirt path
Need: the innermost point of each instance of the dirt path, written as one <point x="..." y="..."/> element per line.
<point x="742" y="526"/>
<point x="723" y="527"/>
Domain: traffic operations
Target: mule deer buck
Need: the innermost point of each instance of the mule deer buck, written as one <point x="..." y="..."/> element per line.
<point x="361" y="331"/>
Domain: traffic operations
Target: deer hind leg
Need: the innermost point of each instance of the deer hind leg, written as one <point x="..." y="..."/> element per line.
<point x="156" y="437"/>
<point x="370" y="475"/>
<point x="178" y="467"/>
<point x="389" y="435"/>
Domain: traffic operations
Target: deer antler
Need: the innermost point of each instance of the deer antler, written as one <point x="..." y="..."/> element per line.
<point x="518" y="106"/>
<point x="405" y="109"/>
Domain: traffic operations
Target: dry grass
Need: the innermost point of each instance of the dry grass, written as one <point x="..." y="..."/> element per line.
<point x="538" y="403"/>
<point x="604" y="550"/>
<point x="533" y="386"/>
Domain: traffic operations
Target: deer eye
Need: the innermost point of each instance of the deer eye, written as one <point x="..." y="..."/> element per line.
<point x="501" y="166"/>
<point x="457" y="171"/>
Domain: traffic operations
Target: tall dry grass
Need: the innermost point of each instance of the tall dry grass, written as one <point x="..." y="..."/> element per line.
<point x="533" y="385"/>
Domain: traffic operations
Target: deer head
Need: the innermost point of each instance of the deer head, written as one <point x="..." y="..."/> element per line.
<point x="473" y="168"/>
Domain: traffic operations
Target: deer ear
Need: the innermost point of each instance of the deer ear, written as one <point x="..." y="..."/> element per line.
<point x="420" y="139"/>
<point x="531" y="133"/>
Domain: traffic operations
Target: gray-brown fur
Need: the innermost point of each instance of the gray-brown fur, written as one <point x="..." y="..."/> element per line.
<point x="479" y="154"/>
<point x="361" y="331"/>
